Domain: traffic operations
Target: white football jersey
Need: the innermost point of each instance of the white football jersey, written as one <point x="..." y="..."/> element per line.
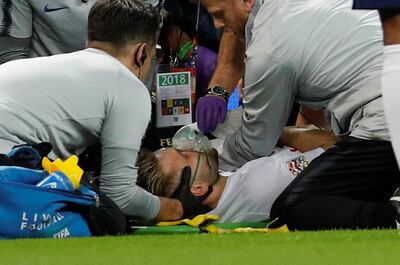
<point x="251" y="190"/>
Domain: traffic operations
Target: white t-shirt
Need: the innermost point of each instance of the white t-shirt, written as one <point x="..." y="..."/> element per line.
<point x="72" y="101"/>
<point x="251" y="190"/>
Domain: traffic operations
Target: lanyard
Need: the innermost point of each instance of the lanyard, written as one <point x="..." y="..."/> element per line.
<point x="193" y="46"/>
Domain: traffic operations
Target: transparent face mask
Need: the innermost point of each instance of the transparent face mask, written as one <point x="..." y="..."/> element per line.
<point x="156" y="3"/>
<point x="187" y="138"/>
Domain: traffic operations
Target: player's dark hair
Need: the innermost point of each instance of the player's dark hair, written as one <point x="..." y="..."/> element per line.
<point x="121" y="22"/>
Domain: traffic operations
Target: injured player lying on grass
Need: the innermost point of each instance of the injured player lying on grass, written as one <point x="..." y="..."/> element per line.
<point x="245" y="195"/>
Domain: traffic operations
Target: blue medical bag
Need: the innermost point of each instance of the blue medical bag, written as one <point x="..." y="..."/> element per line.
<point x="27" y="211"/>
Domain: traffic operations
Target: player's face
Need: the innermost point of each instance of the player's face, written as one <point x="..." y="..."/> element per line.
<point x="232" y="14"/>
<point x="172" y="162"/>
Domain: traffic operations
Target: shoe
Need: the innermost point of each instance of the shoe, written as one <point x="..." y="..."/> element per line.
<point x="395" y="201"/>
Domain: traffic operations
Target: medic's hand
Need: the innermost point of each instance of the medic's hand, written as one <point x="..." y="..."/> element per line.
<point x="192" y="205"/>
<point x="210" y="110"/>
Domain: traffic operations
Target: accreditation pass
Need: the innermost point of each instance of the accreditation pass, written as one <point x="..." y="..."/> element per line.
<point x="174" y="103"/>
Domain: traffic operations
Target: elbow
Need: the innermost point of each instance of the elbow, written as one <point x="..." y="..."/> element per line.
<point x="256" y="150"/>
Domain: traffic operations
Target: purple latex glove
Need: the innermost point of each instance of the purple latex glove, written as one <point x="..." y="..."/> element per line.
<point x="210" y="111"/>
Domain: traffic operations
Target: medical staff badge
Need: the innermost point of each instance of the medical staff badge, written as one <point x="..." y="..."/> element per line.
<point x="297" y="165"/>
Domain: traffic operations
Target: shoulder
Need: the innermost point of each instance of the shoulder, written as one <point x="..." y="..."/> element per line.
<point x="108" y="72"/>
<point x="260" y="165"/>
<point x="101" y="63"/>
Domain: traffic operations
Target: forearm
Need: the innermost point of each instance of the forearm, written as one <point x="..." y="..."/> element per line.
<point x="170" y="209"/>
<point x="230" y="63"/>
<point x="132" y="199"/>
<point x="268" y="99"/>
<point x="391" y="26"/>
<point x="306" y="139"/>
<point x="307" y="116"/>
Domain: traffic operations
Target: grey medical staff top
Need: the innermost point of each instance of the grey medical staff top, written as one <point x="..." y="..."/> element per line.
<point x="72" y="101"/>
<point x="321" y="54"/>
<point x="31" y="28"/>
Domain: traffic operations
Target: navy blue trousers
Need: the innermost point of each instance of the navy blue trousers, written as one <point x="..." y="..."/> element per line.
<point x="376" y="4"/>
<point x="347" y="187"/>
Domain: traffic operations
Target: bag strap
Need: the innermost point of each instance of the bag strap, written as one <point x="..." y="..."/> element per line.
<point x="106" y="218"/>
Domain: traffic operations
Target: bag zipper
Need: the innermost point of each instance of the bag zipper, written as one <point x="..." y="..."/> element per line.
<point x="82" y="196"/>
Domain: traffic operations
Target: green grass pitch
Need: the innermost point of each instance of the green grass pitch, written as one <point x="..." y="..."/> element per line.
<point x="332" y="247"/>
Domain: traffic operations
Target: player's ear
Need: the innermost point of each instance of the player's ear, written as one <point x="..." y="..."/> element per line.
<point x="199" y="189"/>
<point x="248" y="5"/>
<point x="140" y="55"/>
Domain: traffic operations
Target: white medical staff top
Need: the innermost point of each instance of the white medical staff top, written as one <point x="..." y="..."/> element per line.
<point x="320" y="53"/>
<point x="251" y="190"/>
<point x="53" y="27"/>
<point x="72" y="101"/>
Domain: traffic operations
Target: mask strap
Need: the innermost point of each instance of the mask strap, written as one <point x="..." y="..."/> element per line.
<point x="196" y="170"/>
